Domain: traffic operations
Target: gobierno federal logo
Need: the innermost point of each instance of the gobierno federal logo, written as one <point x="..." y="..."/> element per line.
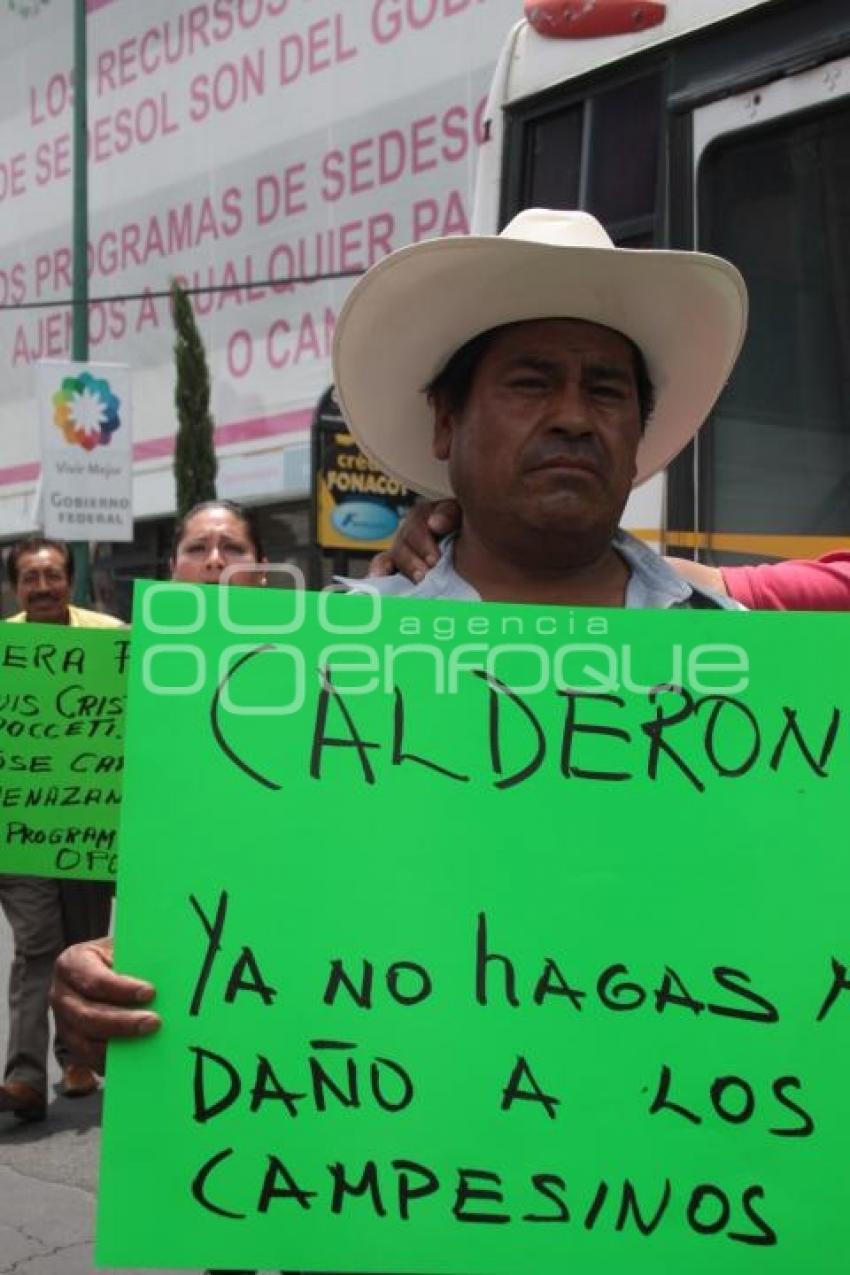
<point x="86" y="410"/>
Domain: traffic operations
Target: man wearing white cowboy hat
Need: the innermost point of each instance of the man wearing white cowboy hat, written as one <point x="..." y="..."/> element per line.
<point x="537" y="376"/>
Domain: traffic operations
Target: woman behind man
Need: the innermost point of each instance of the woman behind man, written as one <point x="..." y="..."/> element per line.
<point x="215" y="535"/>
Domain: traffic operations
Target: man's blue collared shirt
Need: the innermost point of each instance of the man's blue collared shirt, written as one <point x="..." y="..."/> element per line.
<point x="652" y="583"/>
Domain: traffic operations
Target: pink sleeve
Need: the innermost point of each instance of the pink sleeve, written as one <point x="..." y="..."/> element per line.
<point x="820" y="585"/>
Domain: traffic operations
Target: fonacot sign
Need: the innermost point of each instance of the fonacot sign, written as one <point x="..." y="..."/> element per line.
<point x="357" y="507"/>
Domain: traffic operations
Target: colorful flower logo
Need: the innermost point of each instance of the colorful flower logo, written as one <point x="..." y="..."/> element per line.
<point x="86" y="411"/>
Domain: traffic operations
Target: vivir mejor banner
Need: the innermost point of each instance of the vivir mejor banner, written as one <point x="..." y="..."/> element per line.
<point x="86" y="450"/>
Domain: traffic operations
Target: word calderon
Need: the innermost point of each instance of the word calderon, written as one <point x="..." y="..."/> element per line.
<point x="717" y="736"/>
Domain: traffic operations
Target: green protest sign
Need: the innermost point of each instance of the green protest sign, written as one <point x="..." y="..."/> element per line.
<point x="62" y="696"/>
<point x="487" y="939"/>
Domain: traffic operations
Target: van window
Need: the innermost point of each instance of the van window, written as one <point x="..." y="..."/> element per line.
<point x="553" y="160"/>
<point x="599" y="153"/>
<point x="623" y="152"/>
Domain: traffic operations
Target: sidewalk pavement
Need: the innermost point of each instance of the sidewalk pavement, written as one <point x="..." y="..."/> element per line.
<point x="48" y="1176"/>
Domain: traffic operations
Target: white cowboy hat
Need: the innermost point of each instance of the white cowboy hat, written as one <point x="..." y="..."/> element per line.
<point x="404" y="319"/>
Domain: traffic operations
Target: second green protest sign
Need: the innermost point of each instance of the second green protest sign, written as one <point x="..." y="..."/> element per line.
<point x="62" y="693"/>
<point x="487" y="939"/>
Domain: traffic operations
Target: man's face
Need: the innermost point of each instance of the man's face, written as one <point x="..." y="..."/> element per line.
<point x="43" y="589"/>
<point x="547" y="439"/>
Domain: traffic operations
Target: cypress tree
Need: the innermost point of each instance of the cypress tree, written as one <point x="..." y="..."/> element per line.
<point x="195" y="464"/>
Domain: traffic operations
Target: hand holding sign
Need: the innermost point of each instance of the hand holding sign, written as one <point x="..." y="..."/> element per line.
<point x="93" y="1004"/>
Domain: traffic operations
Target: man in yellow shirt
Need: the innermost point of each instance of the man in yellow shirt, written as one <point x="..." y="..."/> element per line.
<point x="42" y="574"/>
<point x="45" y="915"/>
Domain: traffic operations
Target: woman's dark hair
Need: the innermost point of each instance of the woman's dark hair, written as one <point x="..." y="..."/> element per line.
<point x="452" y="385"/>
<point x="245" y="516"/>
<point x="33" y="544"/>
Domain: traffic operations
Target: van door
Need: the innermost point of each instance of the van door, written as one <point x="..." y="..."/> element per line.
<point x="772" y="193"/>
